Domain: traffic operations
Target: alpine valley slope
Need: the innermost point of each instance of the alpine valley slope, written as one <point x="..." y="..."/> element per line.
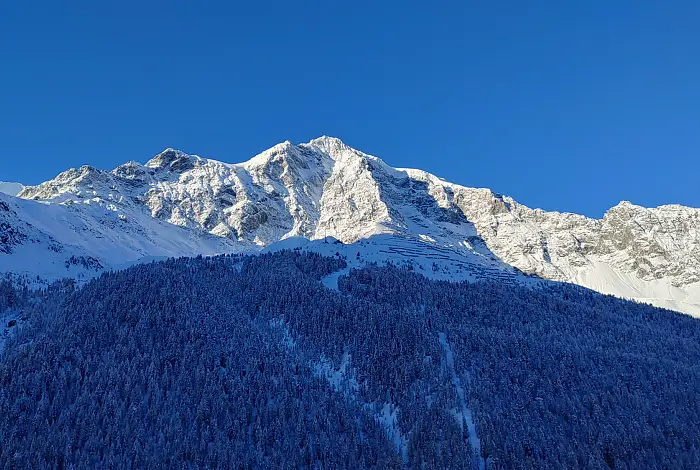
<point x="86" y="220"/>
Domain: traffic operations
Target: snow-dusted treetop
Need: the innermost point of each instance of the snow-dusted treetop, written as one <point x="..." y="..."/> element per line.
<point x="179" y="204"/>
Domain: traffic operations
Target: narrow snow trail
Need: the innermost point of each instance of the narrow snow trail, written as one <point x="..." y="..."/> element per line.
<point x="387" y="416"/>
<point x="342" y="380"/>
<point x="466" y="412"/>
<point x="331" y="281"/>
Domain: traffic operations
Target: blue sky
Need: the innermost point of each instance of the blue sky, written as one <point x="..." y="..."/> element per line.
<point x="568" y="106"/>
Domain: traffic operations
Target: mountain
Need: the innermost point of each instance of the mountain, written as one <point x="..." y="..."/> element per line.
<point x="180" y="204"/>
<point x="13" y="189"/>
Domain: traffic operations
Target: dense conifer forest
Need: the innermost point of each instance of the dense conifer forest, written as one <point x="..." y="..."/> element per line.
<point x="252" y="363"/>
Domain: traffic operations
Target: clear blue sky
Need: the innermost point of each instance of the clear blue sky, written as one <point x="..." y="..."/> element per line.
<point x="563" y="105"/>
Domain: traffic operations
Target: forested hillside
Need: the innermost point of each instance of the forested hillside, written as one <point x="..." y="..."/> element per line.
<point x="251" y="362"/>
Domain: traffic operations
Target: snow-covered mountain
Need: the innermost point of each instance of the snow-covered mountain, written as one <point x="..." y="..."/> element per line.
<point x="179" y="204"/>
<point x="13" y="189"/>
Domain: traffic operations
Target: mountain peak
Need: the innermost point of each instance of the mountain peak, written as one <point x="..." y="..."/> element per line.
<point x="171" y="158"/>
<point x="281" y="147"/>
<point x="326" y="140"/>
<point x="625" y="204"/>
<point x="330" y="145"/>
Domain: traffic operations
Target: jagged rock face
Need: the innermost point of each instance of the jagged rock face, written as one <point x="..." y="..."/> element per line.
<point x="11" y="234"/>
<point x="325" y="188"/>
<point x="650" y="243"/>
<point x="656" y="243"/>
<point x="310" y="190"/>
<point x="653" y="243"/>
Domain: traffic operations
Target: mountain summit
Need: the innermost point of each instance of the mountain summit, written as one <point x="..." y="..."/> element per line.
<point x="179" y="204"/>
